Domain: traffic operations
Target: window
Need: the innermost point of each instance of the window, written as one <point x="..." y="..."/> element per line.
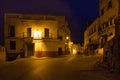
<point x="102" y="12"/>
<point x="107" y="24"/>
<point x="95" y="28"/>
<point x="104" y="40"/>
<point x="60" y="37"/>
<point x="102" y="43"/>
<point x="12" y="45"/>
<point x="110" y="21"/>
<point x="111" y="48"/>
<point x="109" y="4"/>
<point x="46" y="33"/>
<point x="11" y="30"/>
<point x="90" y="40"/>
<point x="119" y="41"/>
<point x="28" y="32"/>
<point x="99" y="28"/>
<point x="60" y="51"/>
<point x="106" y="56"/>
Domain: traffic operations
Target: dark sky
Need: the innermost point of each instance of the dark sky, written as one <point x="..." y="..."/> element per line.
<point x="77" y="12"/>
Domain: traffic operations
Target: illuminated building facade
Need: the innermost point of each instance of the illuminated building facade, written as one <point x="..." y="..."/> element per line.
<point x="91" y="37"/>
<point x="109" y="15"/>
<point x="105" y="24"/>
<point x="108" y="33"/>
<point x="36" y="35"/>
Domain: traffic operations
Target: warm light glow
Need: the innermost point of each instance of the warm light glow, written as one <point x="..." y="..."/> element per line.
<point x="67" y="37"/>
<point x="37" y="34"/>
<point x="74" y="51"/>
<point x="71" y="43"/>
<point x="38" y="48"/>
<point x="100" y="51"/>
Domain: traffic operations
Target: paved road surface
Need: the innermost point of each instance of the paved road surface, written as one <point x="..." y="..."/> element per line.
<point x="61" y="68"/>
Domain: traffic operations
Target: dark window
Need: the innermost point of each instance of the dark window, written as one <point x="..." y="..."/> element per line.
<point x="12" y="45"/>
<point x="59" y="51"/>
<point x="46" y="33"/>
<point x="110" y="21"/>
<point x="28" y="32"/>
<point x="111" y="48"/>
<point x="119" y="41"/>
<point x="95" y="28"/>
<point x="99" y="28"/>
<point x="111" y="34"/>
<point x="102" y="43"/>
<point x="109" y="4"/>
<point x="106" y="56"/>
<point x="107" y="24"/>
<point x="60" y="37"/>
<point x="102" y="12"/>
<point x="104" y="25"/>
<point x="104" y="40"/>
<point x="12" y="30"/>
<point x="89" y="40"/>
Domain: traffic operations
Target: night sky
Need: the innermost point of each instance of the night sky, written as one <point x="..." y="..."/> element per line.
<point x="77" y="12"/>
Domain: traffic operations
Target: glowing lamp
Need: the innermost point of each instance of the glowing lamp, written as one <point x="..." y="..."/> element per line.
<point x="67" y="37"/>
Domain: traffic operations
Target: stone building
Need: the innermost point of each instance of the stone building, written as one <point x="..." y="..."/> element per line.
<point x="105" y="29"/>
<point x="108" y="33"/>
<point x="36" y="35"/>
<point x="109" y="15"/>
<point x="91" y="38"/>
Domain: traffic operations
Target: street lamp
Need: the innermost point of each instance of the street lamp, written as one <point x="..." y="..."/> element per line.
<point x="67" y="37"/>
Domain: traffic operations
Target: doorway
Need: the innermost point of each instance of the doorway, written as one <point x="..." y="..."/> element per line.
<point x="59" y="51"/>
<point x="30" y="49"/>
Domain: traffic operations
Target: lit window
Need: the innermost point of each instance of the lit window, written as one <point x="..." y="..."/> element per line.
<point x="37" y="34"/>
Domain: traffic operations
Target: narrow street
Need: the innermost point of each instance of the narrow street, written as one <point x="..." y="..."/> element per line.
<point x="61" y="68"/>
